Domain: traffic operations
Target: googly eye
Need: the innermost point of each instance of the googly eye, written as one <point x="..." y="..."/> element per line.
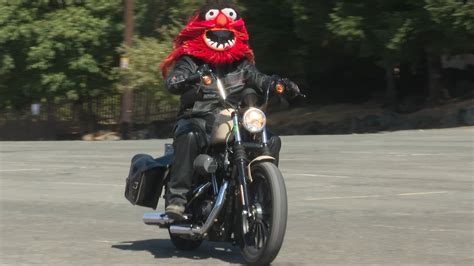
<point x="212" y="14"/>
<point x="230" y="13"/>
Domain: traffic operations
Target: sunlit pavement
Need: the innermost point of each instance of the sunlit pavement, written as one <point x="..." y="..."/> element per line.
<point x="389" y="198"/>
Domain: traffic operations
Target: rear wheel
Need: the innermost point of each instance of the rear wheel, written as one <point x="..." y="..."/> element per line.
<point x="184" y="243"/>
<point x="264" y="234"/>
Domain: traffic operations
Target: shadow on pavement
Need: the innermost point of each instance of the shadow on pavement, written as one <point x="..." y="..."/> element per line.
<point x="164" y="249"/>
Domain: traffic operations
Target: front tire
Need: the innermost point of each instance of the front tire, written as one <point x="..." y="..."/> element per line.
<point x="268" y="200"/>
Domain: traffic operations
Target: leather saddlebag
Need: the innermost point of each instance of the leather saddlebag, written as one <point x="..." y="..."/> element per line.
<point x="144" y="183"/>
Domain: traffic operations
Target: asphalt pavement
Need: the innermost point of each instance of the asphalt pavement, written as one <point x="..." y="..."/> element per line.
<point x="390" y="198"/>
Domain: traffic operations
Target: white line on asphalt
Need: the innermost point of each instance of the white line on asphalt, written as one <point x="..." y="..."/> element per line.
<point x="20" y="170"/>
<point x="296" y="159"/>
<point x="295" y="172"/>
<point x="318" y="175"/>
<point x="418" y="229"/>
<point x="105" y="241"/>
<point x="400" y="154"/>
<point x="379" y="196"/>
<point x="83" y="184"/>
<point x="422" y="193"/>
<point x="352" y="197"/>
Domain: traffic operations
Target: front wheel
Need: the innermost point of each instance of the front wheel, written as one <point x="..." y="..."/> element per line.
<point x="263" y="235"/>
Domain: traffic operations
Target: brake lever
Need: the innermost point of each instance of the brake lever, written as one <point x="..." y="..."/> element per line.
<point x="300" y="95"/>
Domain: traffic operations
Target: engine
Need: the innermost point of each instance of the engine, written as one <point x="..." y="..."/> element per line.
<point x="203" y="209"/>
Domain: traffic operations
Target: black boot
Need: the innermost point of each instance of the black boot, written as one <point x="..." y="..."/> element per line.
<point x="186" y="148"/>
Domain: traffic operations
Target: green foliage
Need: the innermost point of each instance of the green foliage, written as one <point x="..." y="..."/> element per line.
<point x="52" y="50"/>
<point x="398" y="29"/>
<point x="69" y="48"/>
<point x="143" y="73"/>
<point x="454" y="14"/>
<point x="157" y="24"/>
<point x="163" y="19"/>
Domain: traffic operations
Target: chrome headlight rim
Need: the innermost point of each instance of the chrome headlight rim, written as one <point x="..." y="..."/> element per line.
<point x="254" y="120"/>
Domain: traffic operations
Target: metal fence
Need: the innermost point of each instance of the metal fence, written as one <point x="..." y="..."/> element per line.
<point x="71" y="120"/>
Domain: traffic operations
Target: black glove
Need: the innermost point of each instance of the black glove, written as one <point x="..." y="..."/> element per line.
<point x="291" y="89"/>
<point x="204" y="69"/>
<point x="176" y="83"/>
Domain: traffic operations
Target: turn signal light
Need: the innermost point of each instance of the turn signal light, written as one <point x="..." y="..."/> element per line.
<point x="207" y="80"/>
<point x="280" y="88"/>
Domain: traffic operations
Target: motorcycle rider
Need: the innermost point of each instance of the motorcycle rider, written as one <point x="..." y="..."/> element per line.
<point x="215" y="39"/>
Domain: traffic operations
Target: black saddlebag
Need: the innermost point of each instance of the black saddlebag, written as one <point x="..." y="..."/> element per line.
<point x="145" y="180"/>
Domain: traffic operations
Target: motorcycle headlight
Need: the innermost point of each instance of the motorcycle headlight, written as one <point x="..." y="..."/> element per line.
<point x="254" y="120"/>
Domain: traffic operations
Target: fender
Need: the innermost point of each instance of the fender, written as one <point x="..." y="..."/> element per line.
<point x="263" y="158"/>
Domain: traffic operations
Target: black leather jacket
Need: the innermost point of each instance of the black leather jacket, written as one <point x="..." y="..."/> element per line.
<point x="239" y="80"/>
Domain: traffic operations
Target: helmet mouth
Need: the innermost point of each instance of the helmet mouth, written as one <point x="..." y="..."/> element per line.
<point x="219" y="40"/>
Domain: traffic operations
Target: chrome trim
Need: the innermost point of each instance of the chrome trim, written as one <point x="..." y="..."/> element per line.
<point x="199" y="191"/>
<point x="265" y="135"/>
<point x="214" y="184"/>
<point x="201" y="231"/>
<point x="156" y="218"/>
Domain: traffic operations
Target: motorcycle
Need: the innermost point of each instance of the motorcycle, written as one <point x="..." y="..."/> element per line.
<point x="239" y="196"/>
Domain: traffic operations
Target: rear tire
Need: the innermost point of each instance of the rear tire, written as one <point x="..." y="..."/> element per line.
<point x="184" y="244"/>
<point x="267" y="194"/>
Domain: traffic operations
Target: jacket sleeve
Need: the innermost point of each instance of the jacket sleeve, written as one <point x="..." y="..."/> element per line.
<point x="184" y="68"/>
<point x="255" y="78"/>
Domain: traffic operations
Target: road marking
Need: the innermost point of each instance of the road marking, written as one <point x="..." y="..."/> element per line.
<point x="318" y="175"/>
<point x="295" y="172"/>
<point x="403" y="154"/>
<point x="380" y="196"/>
<point x="83" y="184"/>
<point x="105" y="241"/>
<point x="422" y="193"/>
<point x="352" y="197"/>
<point x="296" y="159"/>
<point x="20" y="170"/>
<point x="417" y="229"/>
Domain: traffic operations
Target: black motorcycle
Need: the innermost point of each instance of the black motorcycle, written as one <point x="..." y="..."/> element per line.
<point x="239" y="196"/>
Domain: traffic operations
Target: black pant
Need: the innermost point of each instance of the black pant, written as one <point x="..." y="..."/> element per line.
<point x="191" y="137"/>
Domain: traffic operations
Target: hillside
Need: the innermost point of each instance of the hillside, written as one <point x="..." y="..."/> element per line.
<point x="368" y="117"/>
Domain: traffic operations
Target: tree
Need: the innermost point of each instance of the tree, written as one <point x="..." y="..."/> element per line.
<point x="144" y="74"/>
<point x="157" y="23"/>
<point x="57" y="49"/>
<point x="377" y="29"/>
<point x="448" y="29"/>
<point x="396" y="31"/>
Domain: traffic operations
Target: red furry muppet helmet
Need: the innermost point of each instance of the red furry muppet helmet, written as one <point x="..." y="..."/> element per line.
<point x="216" y="34"/>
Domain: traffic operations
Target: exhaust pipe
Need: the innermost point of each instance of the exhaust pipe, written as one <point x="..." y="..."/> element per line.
<point x="156" y="218"/>
<point x="201" y="231"/>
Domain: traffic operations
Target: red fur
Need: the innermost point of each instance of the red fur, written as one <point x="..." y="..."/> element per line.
<point x="190" y="41"/>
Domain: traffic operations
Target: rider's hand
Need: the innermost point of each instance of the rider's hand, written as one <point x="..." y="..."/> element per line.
<point x="176" y="82"/>
<point x="204" y="69"/>
<point x="292" y="89"/>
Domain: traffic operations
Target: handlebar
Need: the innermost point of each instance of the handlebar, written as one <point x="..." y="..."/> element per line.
<point x="207" y="77"/>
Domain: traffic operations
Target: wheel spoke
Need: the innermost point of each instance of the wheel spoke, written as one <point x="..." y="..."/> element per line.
<point x="260" y="237"/>
<point x="259" y="191"/>
<point x="262" y="242"/>
<point x="257" y="237"/>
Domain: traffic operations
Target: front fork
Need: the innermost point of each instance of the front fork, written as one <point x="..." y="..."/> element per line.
<point x="240" y="159"/>
<point x="241" y="162"/>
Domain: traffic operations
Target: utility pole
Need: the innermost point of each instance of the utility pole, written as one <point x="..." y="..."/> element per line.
<point x="126" y="111"/>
